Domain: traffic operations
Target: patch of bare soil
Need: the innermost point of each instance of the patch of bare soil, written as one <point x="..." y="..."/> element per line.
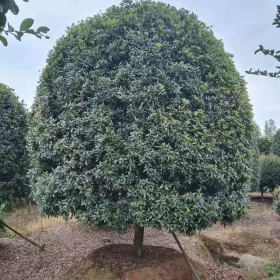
<point x="69" y="245"/>
<point x="158" y="263"/>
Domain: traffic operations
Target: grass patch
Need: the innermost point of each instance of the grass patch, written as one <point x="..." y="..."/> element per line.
<point x="26" y="220"/>
<point x="236" y="264"/>
<point x="273" y="271"/>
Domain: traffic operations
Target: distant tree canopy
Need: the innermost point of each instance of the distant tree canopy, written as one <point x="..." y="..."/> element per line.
<point x="13" y="151"/>
<point x="265" y="145"/>
<point x="270" y="128"/>
<point x="273" y="53"/>
<point x="265" y="141"/>
<point x="25" y="27"/>
<point x="255" y="165"/>
<point x="141" y="118"/>
<point x="275" y="146"/>
<point x="270" y="172"/>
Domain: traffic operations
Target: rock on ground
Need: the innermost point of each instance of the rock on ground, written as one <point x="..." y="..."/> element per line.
<point x="252" y="261"/>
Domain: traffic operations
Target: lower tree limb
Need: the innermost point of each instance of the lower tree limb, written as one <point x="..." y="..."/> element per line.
<point x="25" y="238"/>
<point x="186" y="257"/>
<point x="138" y="241"/>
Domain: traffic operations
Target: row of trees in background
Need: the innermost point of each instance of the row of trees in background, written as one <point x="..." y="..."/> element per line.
<point x="266" y="163"/>
<point x="269" y="139"/>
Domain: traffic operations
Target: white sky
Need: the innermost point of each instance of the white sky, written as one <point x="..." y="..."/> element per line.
<point x="241" y="24"/>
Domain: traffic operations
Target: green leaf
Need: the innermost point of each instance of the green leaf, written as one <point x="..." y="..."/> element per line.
<point x="3" y="20"/>
<point x="43" y="29"/>
<point x="13" y="6"/>
<point x="4" y="40"/>
<point x="19" y="34"/>
<point x="30" y="31"/>
<point x="17" y="37"/>
<point x="26" y="24"/>
<point x="10" y="28"/>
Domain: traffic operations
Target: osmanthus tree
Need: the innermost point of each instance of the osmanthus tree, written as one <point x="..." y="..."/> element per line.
<point x="25" y="26"/>
<point x="273" y="53"/>
<point x="13" y="150"/>
<point x="141" y="118"/>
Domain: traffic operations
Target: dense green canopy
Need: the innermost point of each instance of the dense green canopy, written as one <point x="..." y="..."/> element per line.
<point x="13" y="153"/>
<point x="141" y="117"/>
<point x="255" y="165"/>
<point x="270" y="172"/>
<point x="275" y="146"/>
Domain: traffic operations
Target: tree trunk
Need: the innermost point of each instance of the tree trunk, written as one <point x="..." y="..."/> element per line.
<point x="138" y="241"/>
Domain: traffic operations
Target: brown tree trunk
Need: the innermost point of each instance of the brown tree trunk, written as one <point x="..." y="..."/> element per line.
<point x="138" y="241"/>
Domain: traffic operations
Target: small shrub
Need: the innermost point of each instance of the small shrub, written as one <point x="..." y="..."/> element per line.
<point x="273" y="271"/>
<point x="236" y="264"/>
<point x="270" y="172"/>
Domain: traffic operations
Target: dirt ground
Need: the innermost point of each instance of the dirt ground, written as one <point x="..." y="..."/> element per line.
<point x="78" y="252"/>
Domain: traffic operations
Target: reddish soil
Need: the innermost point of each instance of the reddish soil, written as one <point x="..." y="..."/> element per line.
<point x="158" y="263"/>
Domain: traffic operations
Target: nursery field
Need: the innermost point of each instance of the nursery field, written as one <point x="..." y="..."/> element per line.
<point x="75" y="251"/>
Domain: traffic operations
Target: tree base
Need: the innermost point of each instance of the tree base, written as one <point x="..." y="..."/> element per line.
<point x="138" y="241"/>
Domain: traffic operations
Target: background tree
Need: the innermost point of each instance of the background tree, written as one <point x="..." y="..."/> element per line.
<point x="269" y="128"/>
<point x="273" y="53"/>
<point x="256" y="165"/>
<point x="141" y="118"/>
<point x="265" y="141"/>
<point x="258" y="131"/>
<point x="270" y="173"/>
<point x="13" y="150"/>
<point x="264" y="145"/>
<point x="275" y="146"/>
<point x="25" y="26"/>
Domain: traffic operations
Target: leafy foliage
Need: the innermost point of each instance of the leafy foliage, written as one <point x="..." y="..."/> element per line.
<point x="273" y="271"/>
<point x="270" y="128"/>
<point x="141" y="117"/>
<point x="2" y="228"/>
<point x="276" y="203"/>
<point x="265" y="141"/>
<point x="270" y="172"/>
<point x="256" y="165"/>
<point x="275" y="147"/>
<point x="273" y="53"/>
<point x="265" y="145"/>
<point x="25" y="26"/>
<point x="13" y="152"/>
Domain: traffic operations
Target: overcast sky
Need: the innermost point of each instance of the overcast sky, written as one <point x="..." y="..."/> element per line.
<point x="241" y="24"/>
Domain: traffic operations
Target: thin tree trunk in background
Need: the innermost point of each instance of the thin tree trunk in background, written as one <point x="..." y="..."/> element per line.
<point x="138" y="241"/>
<point x="186" y="257"/>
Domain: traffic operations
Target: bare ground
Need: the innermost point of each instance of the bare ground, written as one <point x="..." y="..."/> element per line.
<point x="76" y="251"/>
